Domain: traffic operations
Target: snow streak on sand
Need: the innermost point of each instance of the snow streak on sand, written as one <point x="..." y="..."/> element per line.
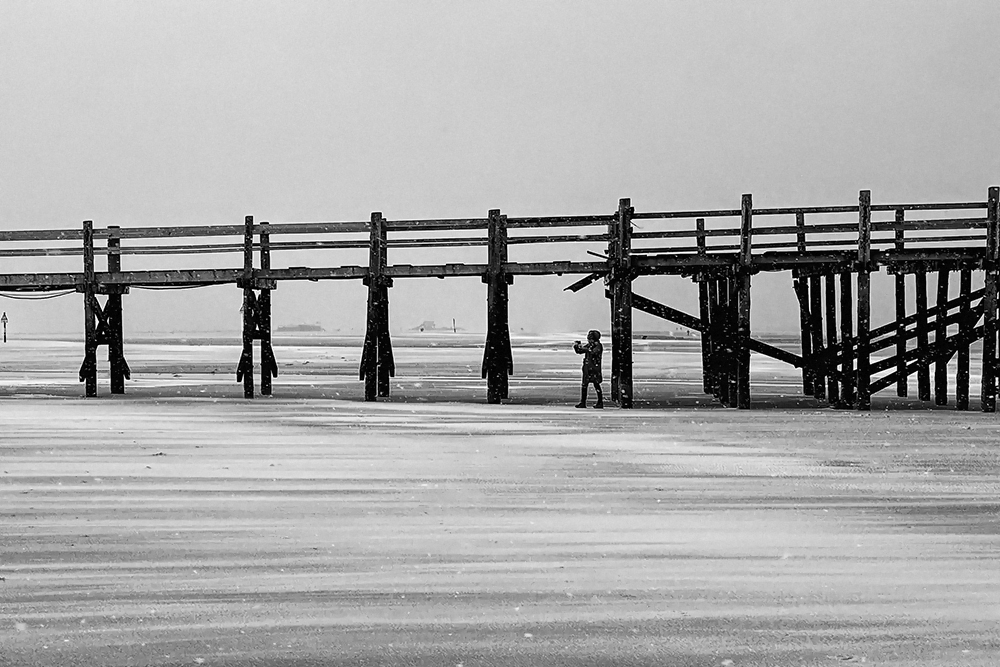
<point x="183" y="525"/>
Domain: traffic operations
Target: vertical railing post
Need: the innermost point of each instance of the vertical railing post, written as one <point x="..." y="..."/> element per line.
<point x="268" y="364"/>
<point x="801" y="286"/>
<point x="847" y="393"/>
<point x="989" y="387"/>
<point x="244" y="371"/>
<point x="114" y="316"/>
<point x="864" y="299"/>
<point x="88" y="371"/>
<point x="940" y="343"/>
<point x="623" y="305"/>
<point x="923" y="335"/>
<point x="704" y="312"/>
<point x="965" y="328"/>
<point x="900" y="280"/>
<point x="498" y="361"/>
<point x="377" y="363"/>
<point x="743" y="304"/>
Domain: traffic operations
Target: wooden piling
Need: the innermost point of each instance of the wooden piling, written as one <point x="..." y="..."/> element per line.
<point x="704" y="312"/>
<point x="244" y="371"/>
<point x="743" y="303"/>
<point x="498" y="360"/>
<point x="833" y="386"/>
<point x="965" y="328"/>
<point x="923" y="337"/>
<point x="900" y="284"/>
<point x="716" y="295"/>
<point x="847" y="394"/>
<point x="377" y="362"/>
<point x="801" y="287"/>
<point x="88" y="371"/>
<point x="268" y="364"/>
<point x="114" y="315"/>
<point x="989" y="388"/>
<point x="732" y="345"/>
<point x="864" y="300"/>
<point x="622" y="288"/>
<point x="940" y="336"/>
<point x="816" y="328"/>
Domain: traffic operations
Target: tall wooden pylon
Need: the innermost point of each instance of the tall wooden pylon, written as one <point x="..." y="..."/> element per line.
<point x="88" y="371"/>
<point x="114" y="317"/>
<point x="620" y="294"/>
<point x="377" y="362"/>
<point x="498" y="360"/>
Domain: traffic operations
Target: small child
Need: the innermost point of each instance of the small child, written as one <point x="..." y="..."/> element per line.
<point x="592" y="352"/>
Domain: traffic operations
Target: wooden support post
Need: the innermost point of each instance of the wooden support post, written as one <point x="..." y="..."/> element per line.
<point x="989" y="387"/>
<point x="717" y="323"/>
<point x="244" y="371"/>
<point x="732" y="377"/>
<point x="830" y="283"/>
<point x="614" y="238"/>
<point x="847" y="394"/>
<point x="864" y="401"/>
<point x="622" y="288"/>
<point x="743" y="304"/>
<point x="704" y="312"/>
<point x="816" y="327"/>
<point x="498" y="360"/>
<point x="119" y="370"/>
<point x="268" y="364"/>
<point x="900" y="279"/>
<point x="88" y="371"/>
<point x="923" y="338"/>
<point x="377" y="362"/>
<point x="965" y="328"/>
<point x="940" y="334"/>
<point x="801" y="287"/>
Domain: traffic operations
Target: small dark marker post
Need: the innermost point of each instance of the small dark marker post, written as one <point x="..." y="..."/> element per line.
<point x="3" y="319"/>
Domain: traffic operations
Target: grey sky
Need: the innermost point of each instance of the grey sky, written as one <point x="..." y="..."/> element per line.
<point x="140" y="113"/>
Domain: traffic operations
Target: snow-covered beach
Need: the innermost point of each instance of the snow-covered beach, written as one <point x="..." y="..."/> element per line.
<point x="181" y="524"/>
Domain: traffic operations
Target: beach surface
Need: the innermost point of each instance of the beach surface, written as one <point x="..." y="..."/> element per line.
<point x="181" y="524"/>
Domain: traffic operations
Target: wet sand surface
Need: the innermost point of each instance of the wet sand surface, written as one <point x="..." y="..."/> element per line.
<point x="181" y="524"/>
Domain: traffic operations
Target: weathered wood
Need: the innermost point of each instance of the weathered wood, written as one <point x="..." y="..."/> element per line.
<point x="847" y="394"/>
<point x="830" y="285"/>
<point x="923" y="337"/>
<point x="377" y="362"/>
<point x="900" y="285"/>
<point x="119" y="370"/>
<point x="816" y="327"/>
<point x="732" y="345"/>
<point x="268" y="364"/>
<point x="244" y="370"/>
<point x="623" y="301"/>
<point x="989" y="387"/>
<point x="88" y="371"/>
<point x="743" y="303"/>
<point x="962" y="373"/>
<point x="801" y="287"/>
<point x="940" y="333"/>
<point x="704" y="312"/>
<point x="498" y="361"/>
<point x="862" y="386"/>
<point x="714" y="336"/>
<point x="926" y="353"/>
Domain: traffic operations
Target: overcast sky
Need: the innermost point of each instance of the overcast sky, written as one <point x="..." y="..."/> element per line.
<point x="141" y="113"/>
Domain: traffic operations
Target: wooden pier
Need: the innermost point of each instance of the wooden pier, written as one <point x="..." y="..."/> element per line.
<point x="831" y="252"/>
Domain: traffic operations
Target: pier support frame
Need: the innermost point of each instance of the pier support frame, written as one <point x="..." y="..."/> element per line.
<point x="498" y="360"/>
<point x="377" y="362"/>
<point x="620" y="294"/>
